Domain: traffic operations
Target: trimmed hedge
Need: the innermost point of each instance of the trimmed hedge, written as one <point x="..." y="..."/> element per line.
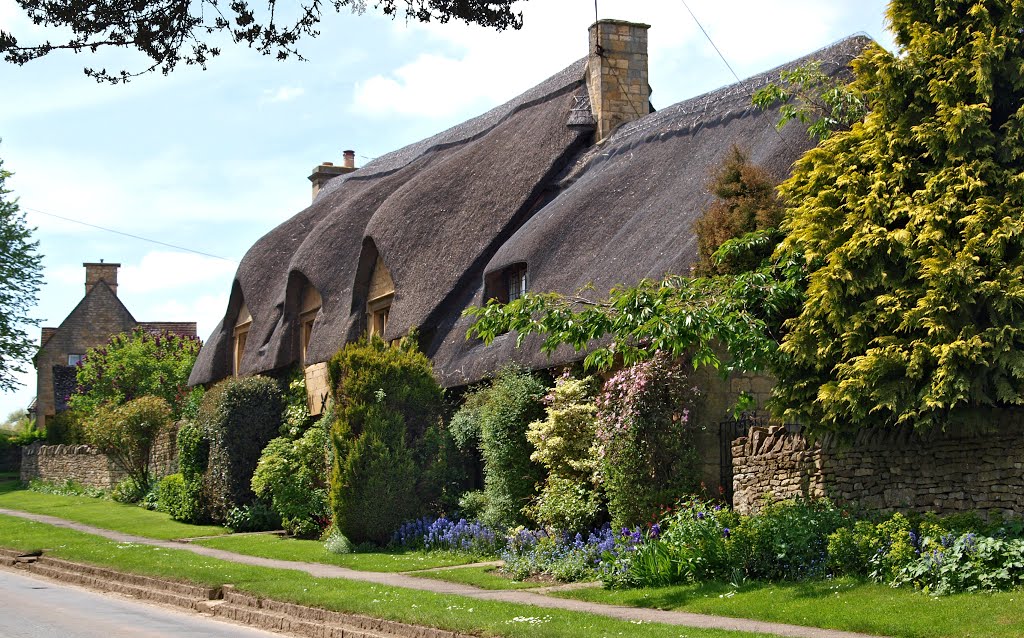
<point x="238" y="416"/>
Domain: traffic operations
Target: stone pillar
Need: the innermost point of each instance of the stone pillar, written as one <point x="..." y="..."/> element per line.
<point x="617" y="77"/>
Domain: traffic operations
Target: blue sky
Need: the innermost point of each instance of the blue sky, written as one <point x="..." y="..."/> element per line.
<point x="211" y="160"/>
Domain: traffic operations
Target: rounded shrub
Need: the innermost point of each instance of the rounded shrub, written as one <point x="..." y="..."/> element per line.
<point x="387" y="400"/>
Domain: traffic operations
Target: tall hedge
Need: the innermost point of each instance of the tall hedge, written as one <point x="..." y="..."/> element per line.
<point x="387" y="400"/>
<point x="911" y="227"/>
<point x="514" y="400"/>
<point x="238" y="416"/>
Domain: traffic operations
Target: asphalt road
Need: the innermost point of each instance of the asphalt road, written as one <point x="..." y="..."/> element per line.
<point x="35" y="608"/>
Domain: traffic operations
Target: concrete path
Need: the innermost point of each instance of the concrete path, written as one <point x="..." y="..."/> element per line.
<point x="441" y="587"/>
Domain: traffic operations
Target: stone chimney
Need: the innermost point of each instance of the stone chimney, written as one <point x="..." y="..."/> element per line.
<point x="617" y="74"/>
<point x="95" y="273"/>
<point x="328" y="171"/>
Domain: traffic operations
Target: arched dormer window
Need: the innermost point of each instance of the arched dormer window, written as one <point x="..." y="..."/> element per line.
<point x="508" y="284"/>
<point x="378" y="300"/>
<point x="309" y="306"/>
<point x="242" y="325"/>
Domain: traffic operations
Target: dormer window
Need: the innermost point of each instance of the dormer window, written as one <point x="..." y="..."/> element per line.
<point x="310" y="306"/>
<point x="242" y="325"/>
<point x="381" y="294"/>
<point x="508" y="284"/>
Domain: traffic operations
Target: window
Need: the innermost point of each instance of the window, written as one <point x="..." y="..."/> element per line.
<point x="75" y="359"/>
<point x="515" y="282"/>
<point x="310" y="306"/>
<point x="507" y="284"/>
<point x="381" y="294"/>
<point x="242" y="325"/>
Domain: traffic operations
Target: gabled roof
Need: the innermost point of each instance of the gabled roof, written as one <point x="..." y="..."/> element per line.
<point x="100" y="295"/>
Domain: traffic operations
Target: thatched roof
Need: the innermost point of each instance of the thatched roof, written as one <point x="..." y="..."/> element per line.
<point x="517" y="184"/>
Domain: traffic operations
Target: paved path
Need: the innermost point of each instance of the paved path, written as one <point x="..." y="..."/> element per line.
<point x="441" y="587"/>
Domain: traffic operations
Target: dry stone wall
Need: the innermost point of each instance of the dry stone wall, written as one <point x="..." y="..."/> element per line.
<point x="885" y="469"/>
<point x="84" y="465"/>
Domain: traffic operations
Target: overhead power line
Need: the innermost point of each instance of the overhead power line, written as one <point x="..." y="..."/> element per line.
<point x="124" y="234"/>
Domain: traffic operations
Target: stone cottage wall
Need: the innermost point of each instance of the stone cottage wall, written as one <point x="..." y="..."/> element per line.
<point x="84" y="465"/>
<point x="885" y="470"/>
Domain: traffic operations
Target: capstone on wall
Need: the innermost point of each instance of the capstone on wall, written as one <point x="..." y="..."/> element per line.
<point x="887" y="470"/>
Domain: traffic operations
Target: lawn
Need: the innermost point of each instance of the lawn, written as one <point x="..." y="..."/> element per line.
<point x="270" y="546"/>
<point x="482" y="577"/>
<point x="455" y="613"/>
<point x="840" y="604"/>
<point x="103" y="513"/>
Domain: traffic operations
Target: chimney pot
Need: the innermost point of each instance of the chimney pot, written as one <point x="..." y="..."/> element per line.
<point x="350" y="159"/>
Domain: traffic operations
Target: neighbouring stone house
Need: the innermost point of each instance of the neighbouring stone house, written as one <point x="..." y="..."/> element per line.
<point x="579" y="181"/>
<point x="97" y="317"/>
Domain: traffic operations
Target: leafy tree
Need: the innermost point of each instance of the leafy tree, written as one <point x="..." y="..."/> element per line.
<point x="912" y="230"/>
<point x="822" y="103"/>
<point x="20" y="278"/>
<point x="134" y="365"/>
<point x="126" y="433"/>
<point x="172" y="31"/>
<point x="746" y="202"/>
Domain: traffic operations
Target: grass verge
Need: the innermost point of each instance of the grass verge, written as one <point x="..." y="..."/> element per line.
<point x="99" y="512"/>
<point x="455" y="613"/>
<point x="269" y="546"/>
<point x="482" y="577"/>
<point x="844" y="604"/>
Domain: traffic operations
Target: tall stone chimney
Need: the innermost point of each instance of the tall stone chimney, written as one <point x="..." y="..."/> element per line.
<point x="327" y="171"/>
<point x="617" y="77"/>
<point x="95" y="273"/>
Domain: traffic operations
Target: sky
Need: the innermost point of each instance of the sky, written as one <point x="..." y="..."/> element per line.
<point x="212" y="160"/>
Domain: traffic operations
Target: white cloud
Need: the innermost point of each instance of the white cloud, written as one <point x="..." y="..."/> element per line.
<point x="205" y="310"/>
<point x="282" y="94"/>
<point x="160" y="271"/>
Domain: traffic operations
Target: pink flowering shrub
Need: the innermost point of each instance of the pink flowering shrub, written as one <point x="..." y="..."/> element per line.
<point x="644" y="439"/>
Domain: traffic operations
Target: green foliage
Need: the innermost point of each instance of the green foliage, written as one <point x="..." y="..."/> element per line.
<point x="238" y="417"/>
<point x="467" y="421"/>
<point x="786" y="541"/>
<point x="387" y="400"/>
<point x="136" y="365"/>
<point x="193" y="450"/>
<point x="19" y="429"/>
<point x="190" y="405"/>
<point x="473" y="504"/>
<point x="513" y="400"/>
<point x="692" y="317"/>
<point x="129" y="490"/>
<point x="644" y="439"/>
<point x="296" y="411"/>
<point x="292" y="475"/>
<point x="258" y="516"/>
<point x="822" y="103"/>
<point x="127" y="434"/>
<point x="911" y="229"/>
<point x="66" y="427"/>
<point x="68" y="487"/>
<point x="337" y="543"/>
<point x="20" y="277"/>
<point x="969" y="563"/>
<point x="181" y="498"/>
<point x="746" y="203"/>
<point x="563" y="444"/>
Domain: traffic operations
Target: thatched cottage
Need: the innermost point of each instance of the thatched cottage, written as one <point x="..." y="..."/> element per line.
<point x="577" y="181"/>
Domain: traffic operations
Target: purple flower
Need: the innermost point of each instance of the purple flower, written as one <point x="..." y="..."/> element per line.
<point x="655" y="530"/>
<point x="725" y="532"/>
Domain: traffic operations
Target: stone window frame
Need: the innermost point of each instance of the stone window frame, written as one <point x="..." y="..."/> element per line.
<point x="310" y="303"/>
<point x="74" y="359"/>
